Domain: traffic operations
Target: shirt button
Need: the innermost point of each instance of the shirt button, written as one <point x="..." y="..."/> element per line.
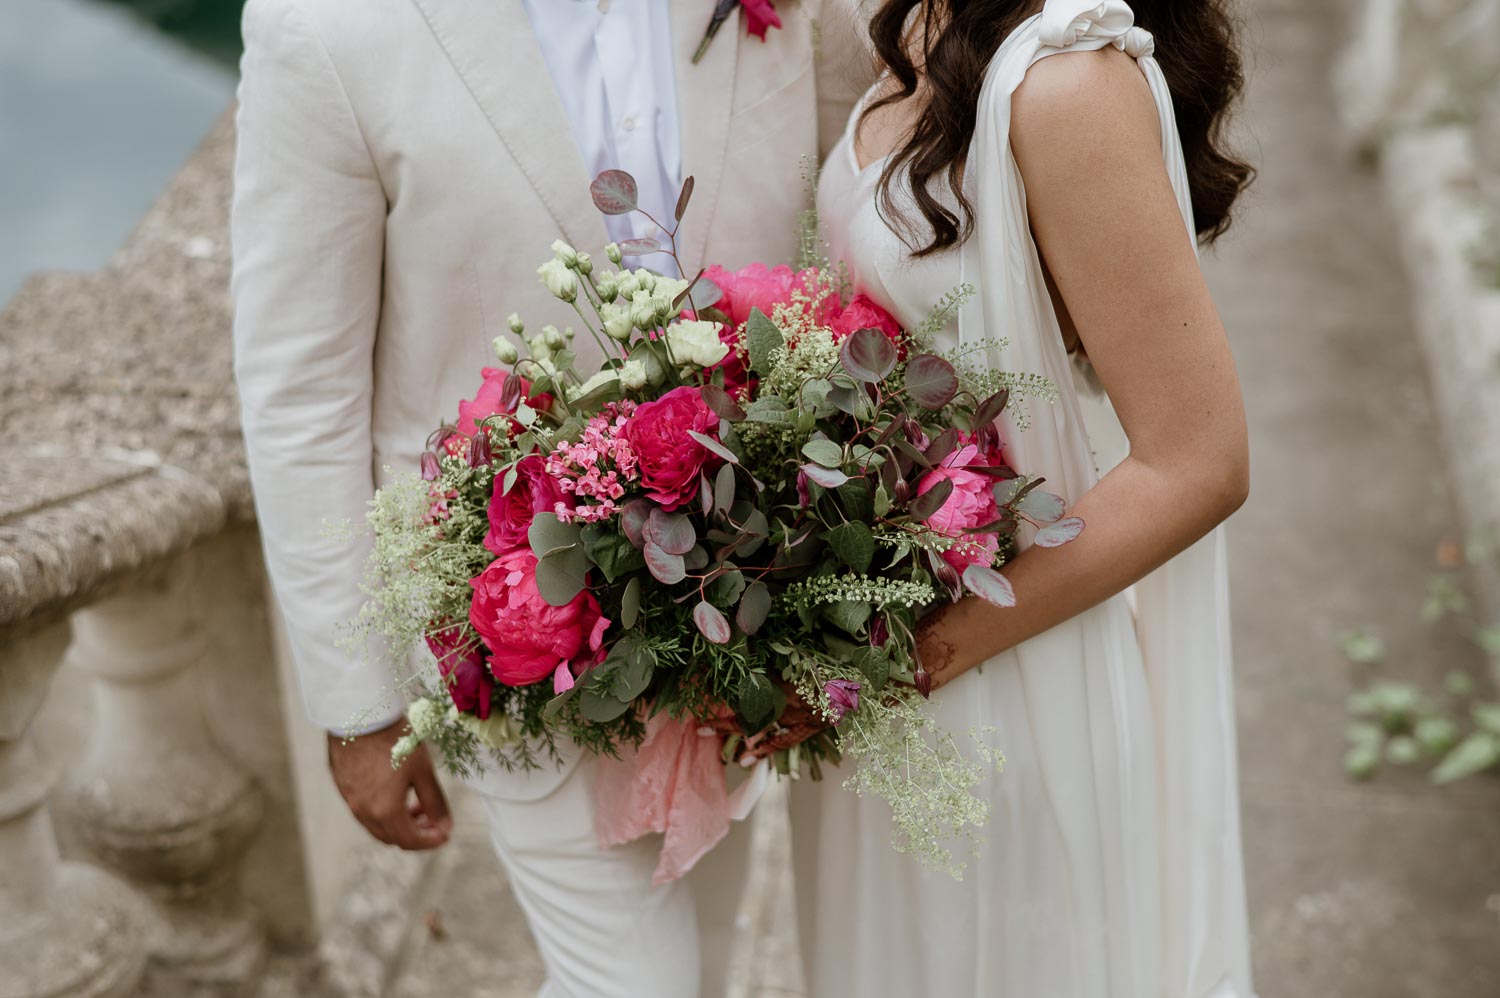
<point x="629" y="123"/>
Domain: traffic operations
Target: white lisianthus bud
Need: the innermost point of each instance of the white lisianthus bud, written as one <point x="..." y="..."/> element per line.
<point x="505" y="351"/>
<point x="559" y="280"/>
<point x="645" y="279"/>
<point x="669" y="288"/>
<point x="584" y="264"/>
<point x="632" y="375"/>
<point x="568" y="333"/>
<point x="607" y="288"/>
<point x="553" y="338"/>
<point x="516" y="325"/>
<point x="628" y="284"/>
<point x="618" y="324"/>
<point x="612" y="251"/>
<point x="565" y="254"/>
<point x="604" y="377"/>
<point x="696" y="343"/>
<point x="643" y="309"/>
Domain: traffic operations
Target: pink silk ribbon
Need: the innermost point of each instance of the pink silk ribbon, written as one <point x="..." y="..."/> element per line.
<point x="674" y="784"/>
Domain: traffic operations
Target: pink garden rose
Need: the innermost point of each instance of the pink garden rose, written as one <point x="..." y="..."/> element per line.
<point x="970" y="504"/>
<point x="528" y="638"/>
<point x="461" y="662"/>
<point x="668" y="459"/>
<point x="863" y="313"/>
<point x="762" y="287"/>
<point x="511" y="514"/>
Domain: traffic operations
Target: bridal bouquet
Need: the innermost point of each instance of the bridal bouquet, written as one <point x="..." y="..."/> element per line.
<point x="712" y="547"/>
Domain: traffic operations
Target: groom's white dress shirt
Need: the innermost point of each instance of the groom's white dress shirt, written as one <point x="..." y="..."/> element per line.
<point x="611" y="62"/>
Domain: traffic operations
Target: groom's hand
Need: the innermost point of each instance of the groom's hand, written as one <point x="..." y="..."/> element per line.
<point x="401" y="807"/>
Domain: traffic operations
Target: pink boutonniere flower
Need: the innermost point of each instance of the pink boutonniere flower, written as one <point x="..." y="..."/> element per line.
<point x="760" y="17"/>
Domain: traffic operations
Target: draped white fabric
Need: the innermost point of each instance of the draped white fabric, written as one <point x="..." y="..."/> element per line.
<point x="1112" y="865"/>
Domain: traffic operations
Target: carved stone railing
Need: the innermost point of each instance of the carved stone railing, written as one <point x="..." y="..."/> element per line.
<point x="1420" y="94"/>
<point x="167" y="826"/>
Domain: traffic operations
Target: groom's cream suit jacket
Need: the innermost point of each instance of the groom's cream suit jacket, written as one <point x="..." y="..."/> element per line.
<point x="403" y="166"/>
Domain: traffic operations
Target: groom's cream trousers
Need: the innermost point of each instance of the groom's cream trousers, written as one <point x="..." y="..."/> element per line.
<point x="402" y="167"/>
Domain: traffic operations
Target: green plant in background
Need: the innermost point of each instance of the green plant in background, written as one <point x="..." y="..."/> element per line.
<point x="1392" y="722"/>
<point x="209" y="26"/>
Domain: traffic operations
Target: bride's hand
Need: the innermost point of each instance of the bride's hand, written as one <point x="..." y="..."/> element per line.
<point x="798" y="722"/>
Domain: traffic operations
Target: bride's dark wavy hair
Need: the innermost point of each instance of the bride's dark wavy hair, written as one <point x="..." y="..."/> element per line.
<point x="1200" y="59"/>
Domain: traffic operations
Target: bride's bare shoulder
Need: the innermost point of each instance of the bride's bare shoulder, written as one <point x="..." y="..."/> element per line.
<point x="1099" y="93"/>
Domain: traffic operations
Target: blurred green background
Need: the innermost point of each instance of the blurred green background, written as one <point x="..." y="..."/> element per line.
<point x="100" y="102"/>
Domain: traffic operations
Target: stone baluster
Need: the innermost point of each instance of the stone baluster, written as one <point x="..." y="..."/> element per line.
<point x="154" y="797"/>
<point x="66" y="929"/>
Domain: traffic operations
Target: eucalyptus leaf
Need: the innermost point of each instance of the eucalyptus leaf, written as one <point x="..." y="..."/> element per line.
<point x="548" y="533"/>
<point x="714" y="447"/>
<point x="640" y="246"/>
<point x="829" y="478"/>
<point x="1057" y="534"/>
<point x="989" y="585"/>
<point x="664" y="567"/>
<point x="1042" y="506"/>
<point x="724" y="489"/>
<point x="562" y="575"/>
<point x="711" y="623"/>
<point x="615" y="192"/>
<point x="769" y="410"/>
<point x="756" y="701"/>
<point x="554" y="707"/>
<point x="990" y="409"/>
<point x="672" y="532"/>
<point x="600" y="706"/>
<point x="630" y="603"/>
<point x="755" y="606"/>
<point x="683" y="197"/>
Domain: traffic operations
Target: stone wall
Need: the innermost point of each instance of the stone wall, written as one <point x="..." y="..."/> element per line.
<point x="167" y="824"/>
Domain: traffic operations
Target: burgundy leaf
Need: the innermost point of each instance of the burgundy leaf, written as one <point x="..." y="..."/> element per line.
<point x="683" y="199"/>
<point x="990" y="409"/>
<point x="868" y="354"/>
<point x="723" y="405"/>
<point x="923" y="506"/>
<point x="931" y="381"/>
<point x="941" y="447"/>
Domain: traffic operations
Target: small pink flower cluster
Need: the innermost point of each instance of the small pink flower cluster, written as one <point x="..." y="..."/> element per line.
<point x="595" y="469"/>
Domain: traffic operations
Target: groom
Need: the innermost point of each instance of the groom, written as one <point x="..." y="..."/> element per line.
<point x="402" y="167"/>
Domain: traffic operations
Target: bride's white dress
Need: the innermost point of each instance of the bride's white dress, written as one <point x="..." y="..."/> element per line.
<point x="1111" y="864"/>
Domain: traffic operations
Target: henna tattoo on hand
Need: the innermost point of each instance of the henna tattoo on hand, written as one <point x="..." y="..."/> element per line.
<point x="935" y="652"/>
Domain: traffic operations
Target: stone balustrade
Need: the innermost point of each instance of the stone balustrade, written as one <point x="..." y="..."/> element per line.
<point x="1419" y="86"/>
<point x="167" y="826"/>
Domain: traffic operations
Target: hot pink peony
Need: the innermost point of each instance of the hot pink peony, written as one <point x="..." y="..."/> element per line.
<point x="668" y="459"/>
<point x="863" y="313"/>
<point x="528" y="638"/>
<point x="971" y="504"/>
<point x="762" y="287"/>
<point x="511" y="514"/>
<point x="461" y="661"/>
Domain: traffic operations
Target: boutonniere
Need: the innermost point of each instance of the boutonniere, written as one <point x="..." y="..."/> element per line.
<point x="760" y="16"/>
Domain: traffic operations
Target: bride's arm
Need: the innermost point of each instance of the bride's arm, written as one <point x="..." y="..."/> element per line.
<point x="1086" y="137"/>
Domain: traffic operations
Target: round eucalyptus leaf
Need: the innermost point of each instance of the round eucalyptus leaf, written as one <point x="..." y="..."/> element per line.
<point x="990" y="585"/>
<point x="868" y="354"/>
<point x="614" y="192"/>
<point x="711" y="623"/>
<point x="823" y="452"/>
<point x="672" y="532"/>
<point x="664" y="567"/>
<point x="755" y="606"/>
<point x="829" y="478"/>
<point x="1055" y="535"/>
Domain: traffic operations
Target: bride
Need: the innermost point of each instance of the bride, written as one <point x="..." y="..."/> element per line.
<point x="1042" y="154"/>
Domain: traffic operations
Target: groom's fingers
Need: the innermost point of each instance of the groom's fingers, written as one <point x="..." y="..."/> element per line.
<point x="434" y="805"/>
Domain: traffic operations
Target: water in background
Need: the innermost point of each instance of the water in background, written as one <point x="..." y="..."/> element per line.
<point x="98" y="109"/>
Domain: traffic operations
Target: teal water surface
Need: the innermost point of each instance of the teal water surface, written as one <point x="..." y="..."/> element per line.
<point x="98" y="109"/>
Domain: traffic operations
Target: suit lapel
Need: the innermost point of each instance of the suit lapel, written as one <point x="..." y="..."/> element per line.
<point x="705" y="96"/>
<point x="491" y="46"/>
